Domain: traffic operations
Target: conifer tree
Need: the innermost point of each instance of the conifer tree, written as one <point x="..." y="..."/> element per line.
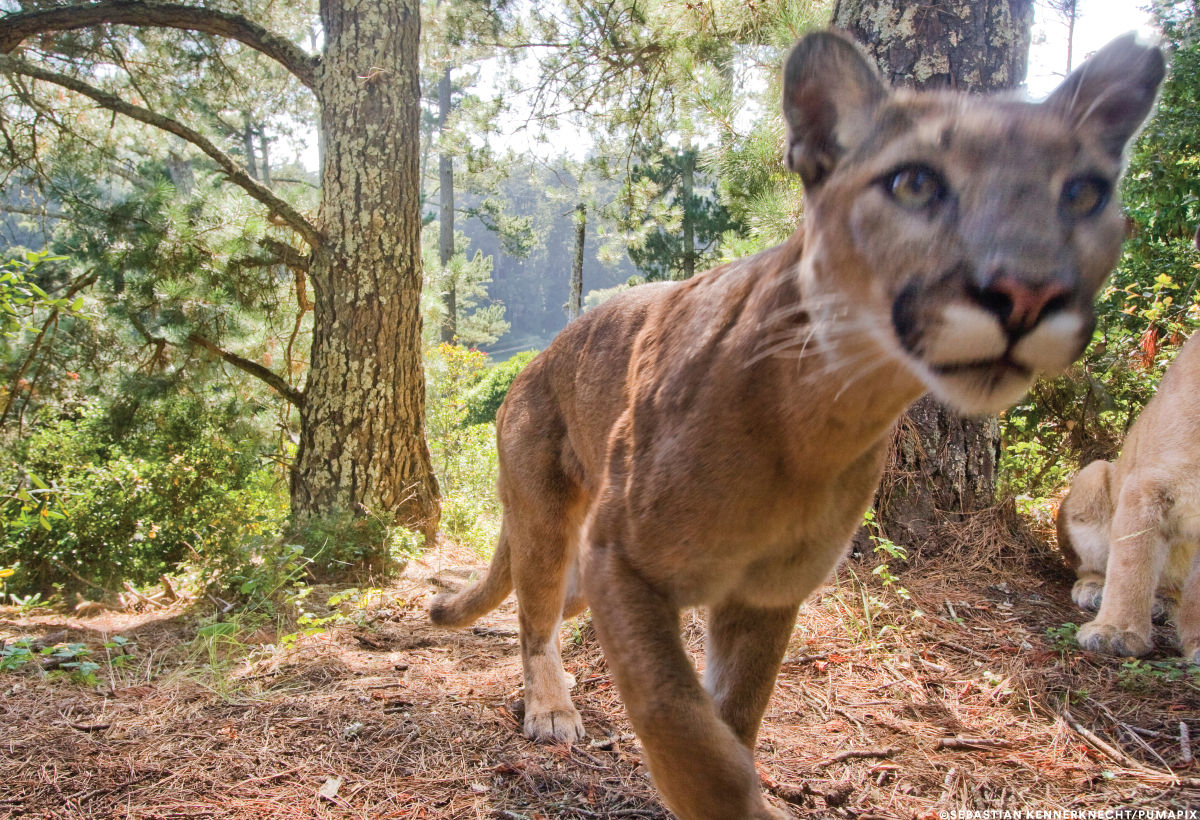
<point x="352" y="249"/>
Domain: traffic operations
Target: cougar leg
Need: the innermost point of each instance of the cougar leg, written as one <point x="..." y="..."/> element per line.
<point x="744" y="647"/>
<point x="1136" y="559"/>
<point x="701" y="768"/>
<point x="543" y="553"/>
<point x="1188" y="614"/>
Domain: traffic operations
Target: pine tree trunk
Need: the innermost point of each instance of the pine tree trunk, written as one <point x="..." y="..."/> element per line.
<point x="686" y="187"/>
<point x="266" y="157"/>
<point x="942" y="466"/>
<point x="575" y="300"/>
<point x="446" y="237"/>
<point x="362" y="444"/>
<point x="248" y="145"/>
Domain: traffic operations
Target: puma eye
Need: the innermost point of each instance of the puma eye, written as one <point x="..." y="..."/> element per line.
<point x="916" y="186"/>
<point x="1083" y="197"/>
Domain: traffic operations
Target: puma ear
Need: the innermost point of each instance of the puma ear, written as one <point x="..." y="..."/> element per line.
<point x="1110" y="95"/>
<point x="830" y="94"/>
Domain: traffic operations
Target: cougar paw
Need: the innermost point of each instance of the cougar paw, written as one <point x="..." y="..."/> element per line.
<point x="1112" y="640"/>
<point x="1191" y="652"/>
<point x="554" y="726"/>
<point x="1087" y="595"/>
<point x="1162" y="610"/>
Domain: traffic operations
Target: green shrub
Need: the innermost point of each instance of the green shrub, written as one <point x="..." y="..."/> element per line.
<point x="464" y="454"/>
<point x="485" y="398"/>
<point x="176" y="485"/>
<point x="344" y="545"/>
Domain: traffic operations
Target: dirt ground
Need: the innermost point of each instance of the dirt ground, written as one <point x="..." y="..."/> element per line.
<point x="879" y="712"/>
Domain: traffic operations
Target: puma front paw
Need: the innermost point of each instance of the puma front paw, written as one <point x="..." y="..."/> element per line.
<point x="1111" y="640"/>
<point x="1163" y="609"/>
<point x="1087" y="595"/>
<point x="554" y="726"/>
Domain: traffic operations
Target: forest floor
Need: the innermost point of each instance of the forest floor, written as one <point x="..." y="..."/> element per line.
<point x="979" y="701"/>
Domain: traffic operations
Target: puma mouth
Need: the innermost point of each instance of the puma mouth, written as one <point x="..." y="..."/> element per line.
<point x="1002" y="367"/>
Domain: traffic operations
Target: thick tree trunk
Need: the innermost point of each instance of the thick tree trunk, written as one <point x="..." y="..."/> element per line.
<point x="969" y="45"/>
<point x="942" y="466"/>
<point x="575" y="300"/>
<point x="687" y="185"/>
<point x="446" y="237"/>
<point x="362" y="443"/>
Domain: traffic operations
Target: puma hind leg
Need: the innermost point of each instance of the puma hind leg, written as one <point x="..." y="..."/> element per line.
<point x="544" y="543"/>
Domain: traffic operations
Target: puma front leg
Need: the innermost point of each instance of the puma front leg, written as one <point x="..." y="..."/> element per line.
<point x="1188" y="615"/>
<point x="1136" y="558"/>
<point x="743" y="652"/>
<point x="702" y="768"/>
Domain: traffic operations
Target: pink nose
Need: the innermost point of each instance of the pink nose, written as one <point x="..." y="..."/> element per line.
<point x="1018" y="305"/>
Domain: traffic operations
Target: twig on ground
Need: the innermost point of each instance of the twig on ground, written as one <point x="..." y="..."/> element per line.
<point x="1185" y="744"/>
<point x="966" y="744"/>
<point x="90" y="727"/>
<point x="852" y="754"/>
<point x="1125" y="760"/>
<point x="800" y="659"/>
<point x="964" y="649"/>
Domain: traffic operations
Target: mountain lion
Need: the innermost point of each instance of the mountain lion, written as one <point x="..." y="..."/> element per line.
<point x="1136" y="523"/>
<point x="715" y="442"/>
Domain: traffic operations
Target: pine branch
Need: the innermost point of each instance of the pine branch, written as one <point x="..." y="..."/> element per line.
<point x="14" y="28"/>
<point x="10" y="65"/>
<point x="285" y="253"/>
<point x="273" y="379"/>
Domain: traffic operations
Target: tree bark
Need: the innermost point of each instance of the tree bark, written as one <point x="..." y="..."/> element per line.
<point x="362" y="442"/>
<point x="446" y="224"/>
<point x="968" y="45"/>
<point x="942" y="466"/>
<point x="575" y="300"/>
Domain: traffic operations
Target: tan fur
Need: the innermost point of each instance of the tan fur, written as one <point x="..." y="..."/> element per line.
<point x="715" y="442"/>
<point x="1135" y="524"/>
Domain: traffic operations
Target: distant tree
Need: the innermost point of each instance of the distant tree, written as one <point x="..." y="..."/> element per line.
<point x="677" y="250"/>
<point x="1067" y="12"/>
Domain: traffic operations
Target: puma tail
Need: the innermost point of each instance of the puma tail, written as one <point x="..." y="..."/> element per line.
<point x="451" y="609"/>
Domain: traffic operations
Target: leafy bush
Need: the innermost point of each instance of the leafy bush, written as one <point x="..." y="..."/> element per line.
<point x="344" y="544"/>
<point x="176" y="484"/>
<point x="464" y="454"/>
<point x="483" y="400"/>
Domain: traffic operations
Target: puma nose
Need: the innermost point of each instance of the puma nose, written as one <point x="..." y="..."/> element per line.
<point x="1020" y="305"/>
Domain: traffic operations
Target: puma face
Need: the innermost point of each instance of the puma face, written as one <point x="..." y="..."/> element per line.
<point x="1000" y="217"/>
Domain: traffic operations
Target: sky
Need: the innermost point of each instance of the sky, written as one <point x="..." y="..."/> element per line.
<point x="1099" y="21"/>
